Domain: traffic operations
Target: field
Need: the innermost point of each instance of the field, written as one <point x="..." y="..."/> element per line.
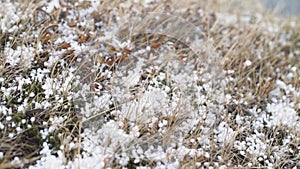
<point x="148" y="84"/>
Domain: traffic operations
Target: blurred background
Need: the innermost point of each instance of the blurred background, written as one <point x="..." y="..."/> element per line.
<point x="283" y="7"/>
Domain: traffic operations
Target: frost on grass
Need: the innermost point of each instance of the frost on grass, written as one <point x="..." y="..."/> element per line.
<point x="108" y="85"/>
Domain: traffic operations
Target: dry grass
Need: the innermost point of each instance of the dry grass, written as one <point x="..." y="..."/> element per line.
<point x="242" y="42"/>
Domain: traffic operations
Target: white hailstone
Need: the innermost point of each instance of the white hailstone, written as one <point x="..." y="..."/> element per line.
<point x="228" y="98"/>
<point x="210" y="119"/>
<point x="223" y="167"/>
<point x="135" y="131"/>
<point x="8" y="118"/>
<point x="32" y="119"/>
<point x="206" y="154"/>
<point x="247" y="63"/>
<point x="238" y="119"/>
<point x="11" y="135"/>
<point x="282" y="114"/>
<point x="148" y="48"/>
<point x="48" y="87"/>
<point x="52" y="5"/>
<point x="225" y="133"/>
<point x="31" y="94"/>
<point x="249" y="164"/>
<point x="140" y="151"/>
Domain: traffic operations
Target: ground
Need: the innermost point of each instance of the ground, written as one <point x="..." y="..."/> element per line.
<point x="148" y="84"/>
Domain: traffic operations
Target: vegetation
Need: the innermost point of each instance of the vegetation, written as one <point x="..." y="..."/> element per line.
<point x="158" y="84"/>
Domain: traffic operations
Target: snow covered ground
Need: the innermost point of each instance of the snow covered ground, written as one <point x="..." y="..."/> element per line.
<point x="148" y="84"/>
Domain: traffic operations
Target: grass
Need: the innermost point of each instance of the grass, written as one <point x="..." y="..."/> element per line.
<point x="80" y="87"/>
